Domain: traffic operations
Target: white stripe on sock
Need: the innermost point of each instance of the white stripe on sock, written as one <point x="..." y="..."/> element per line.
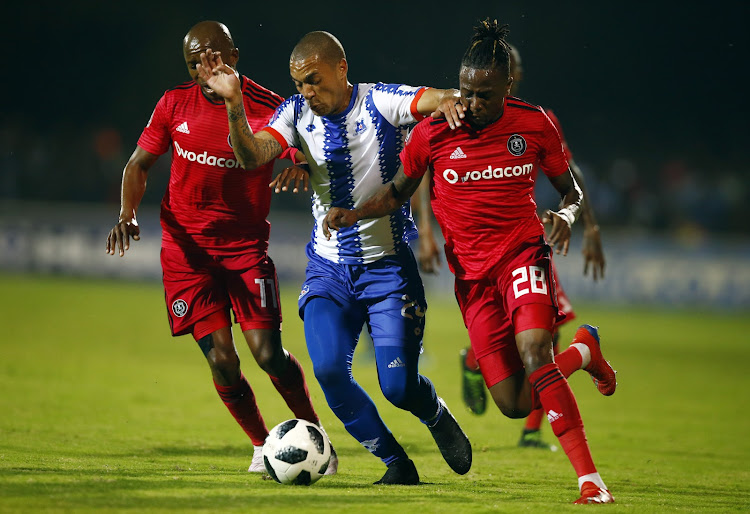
<point x="591" y="477"/>
<point x="585" y="353"/>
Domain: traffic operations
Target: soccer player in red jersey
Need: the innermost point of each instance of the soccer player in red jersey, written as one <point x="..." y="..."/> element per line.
<point x="482" y="197"/>
<point x="215" y="236"/>
<point x="473" y="388"/>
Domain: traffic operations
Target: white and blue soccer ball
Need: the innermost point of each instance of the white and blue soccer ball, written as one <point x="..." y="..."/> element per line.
<point x="296" y="452"/>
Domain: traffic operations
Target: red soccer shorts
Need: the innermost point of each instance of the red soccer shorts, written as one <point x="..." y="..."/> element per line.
<point x="488" y="306"/>
<point x="198" y="283"/>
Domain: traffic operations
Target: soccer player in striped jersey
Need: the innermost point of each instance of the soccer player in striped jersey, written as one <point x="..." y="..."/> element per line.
<point x="215" y="236"/>
<point x="351" y="135"/>
<point x="482" y="197"/>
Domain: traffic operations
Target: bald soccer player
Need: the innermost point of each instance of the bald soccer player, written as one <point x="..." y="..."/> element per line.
<point x="352" y="135"/>
<point x="215" y="236"/>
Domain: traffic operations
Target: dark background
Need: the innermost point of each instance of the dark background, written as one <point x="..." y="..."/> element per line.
<point x="652" y="97"/>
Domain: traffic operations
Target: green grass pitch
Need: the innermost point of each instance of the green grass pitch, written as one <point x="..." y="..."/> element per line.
<point x="101" y="410"/>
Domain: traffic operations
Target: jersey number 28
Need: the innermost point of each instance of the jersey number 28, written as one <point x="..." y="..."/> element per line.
<point x="530" y="280"/>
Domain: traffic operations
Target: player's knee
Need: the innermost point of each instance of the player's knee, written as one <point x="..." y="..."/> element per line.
<point x="397" y="394"/>
<point x="223" y="362"/>
<point x="271" y="359"/>
<point x="331" y="374"/>
<point x="509" y="404"/>
<point x="535" y="354"/>
<point x="512" y="411"/>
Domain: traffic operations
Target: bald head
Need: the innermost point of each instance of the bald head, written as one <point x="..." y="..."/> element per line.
<point x="321" y="44"/>
<point x="205" y="35"/>
<point x="208" y="34"/>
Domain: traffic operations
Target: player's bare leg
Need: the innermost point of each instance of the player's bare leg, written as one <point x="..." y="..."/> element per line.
<point x="287" y="376"/>
<point x="234" y="389"/>
<point x="553" y="392"/>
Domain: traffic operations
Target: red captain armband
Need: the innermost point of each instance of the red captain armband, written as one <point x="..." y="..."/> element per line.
<point x="413" y="107"/>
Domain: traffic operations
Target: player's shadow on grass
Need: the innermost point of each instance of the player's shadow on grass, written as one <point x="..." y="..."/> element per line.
<point x="207" y="451"/>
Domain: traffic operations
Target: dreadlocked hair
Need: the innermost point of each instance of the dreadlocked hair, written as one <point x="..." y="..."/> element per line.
<point x="488" y="48"/>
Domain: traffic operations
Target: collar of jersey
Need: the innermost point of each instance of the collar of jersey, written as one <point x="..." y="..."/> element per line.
<point x="340" y="116"/>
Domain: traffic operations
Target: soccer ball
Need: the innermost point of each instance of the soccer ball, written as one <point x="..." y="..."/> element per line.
<point x="296" y="452"/>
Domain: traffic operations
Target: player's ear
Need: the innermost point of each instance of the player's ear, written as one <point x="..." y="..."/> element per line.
<point x="510" y="85"/>
<point x="343" y="68"/>
<point x="235" y="55"/>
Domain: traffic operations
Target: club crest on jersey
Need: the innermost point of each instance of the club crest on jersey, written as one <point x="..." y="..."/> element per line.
<point x="516" y="145"/>
<point x="360" y="127"/>
<point x="310" y="127"/>
<point x="179" y="307"/>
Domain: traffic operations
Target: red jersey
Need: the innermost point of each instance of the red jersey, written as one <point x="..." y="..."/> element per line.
<point x="556" y="123"/>
<point x="211" y="202"/>
<point x="483" y="181"/>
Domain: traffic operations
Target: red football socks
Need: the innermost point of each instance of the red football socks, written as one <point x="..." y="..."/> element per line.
<point x="240" y="400"/>
<point x="569" y="361"/>
<point x="534" y="420"/>
<point x="562" y="412"/>
<point x="293" y="388"/>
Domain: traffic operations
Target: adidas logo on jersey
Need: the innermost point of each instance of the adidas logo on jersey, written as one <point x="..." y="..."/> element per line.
<point x="397" y="363"/>
<point x="553" y="416"/>
<point x="183" y="128"/>
<point x="458" y="153"/>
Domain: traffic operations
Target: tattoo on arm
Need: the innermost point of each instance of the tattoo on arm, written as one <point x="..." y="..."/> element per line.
<point x="267" y="149"/>
<point x="250" y="150"/>
<point x="236" y="113"/>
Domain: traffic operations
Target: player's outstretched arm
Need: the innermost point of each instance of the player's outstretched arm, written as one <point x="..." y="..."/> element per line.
<point x="561" y="221"/>
<point x="593" y="253"/>
<point x="442" y="103"/>
<point x="134" y="179"/>
<point x="250" y="149"/>
<point x="428" y="252"/>
<point x="385" y="201"/>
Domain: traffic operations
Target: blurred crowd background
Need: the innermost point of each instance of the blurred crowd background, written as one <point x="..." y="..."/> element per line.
<point x="652" y="97"/>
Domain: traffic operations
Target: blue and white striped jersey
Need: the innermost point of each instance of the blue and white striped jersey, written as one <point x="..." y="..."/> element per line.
<point x="351" y="156"/>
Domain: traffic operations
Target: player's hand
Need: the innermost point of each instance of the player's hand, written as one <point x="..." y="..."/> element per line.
<point x="593" y="254"/>
<point x="296" y="174"/>
<point x="428" y="253"/>
<point x="119" y="236"/>
<point x="222" y="78"/>
<point x="559" y="233"/>
<point x="450" y="108"/>
<point x="338" y="218"/>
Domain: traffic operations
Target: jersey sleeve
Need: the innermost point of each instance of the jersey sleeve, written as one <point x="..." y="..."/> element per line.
<point x="397" y="102"/>
<point x="415" y="156"/>
<point x="556" y="123"/>
<point x="283" y="123"/>
<point x="551" y="156"/>
<point x="157" y="136"/>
